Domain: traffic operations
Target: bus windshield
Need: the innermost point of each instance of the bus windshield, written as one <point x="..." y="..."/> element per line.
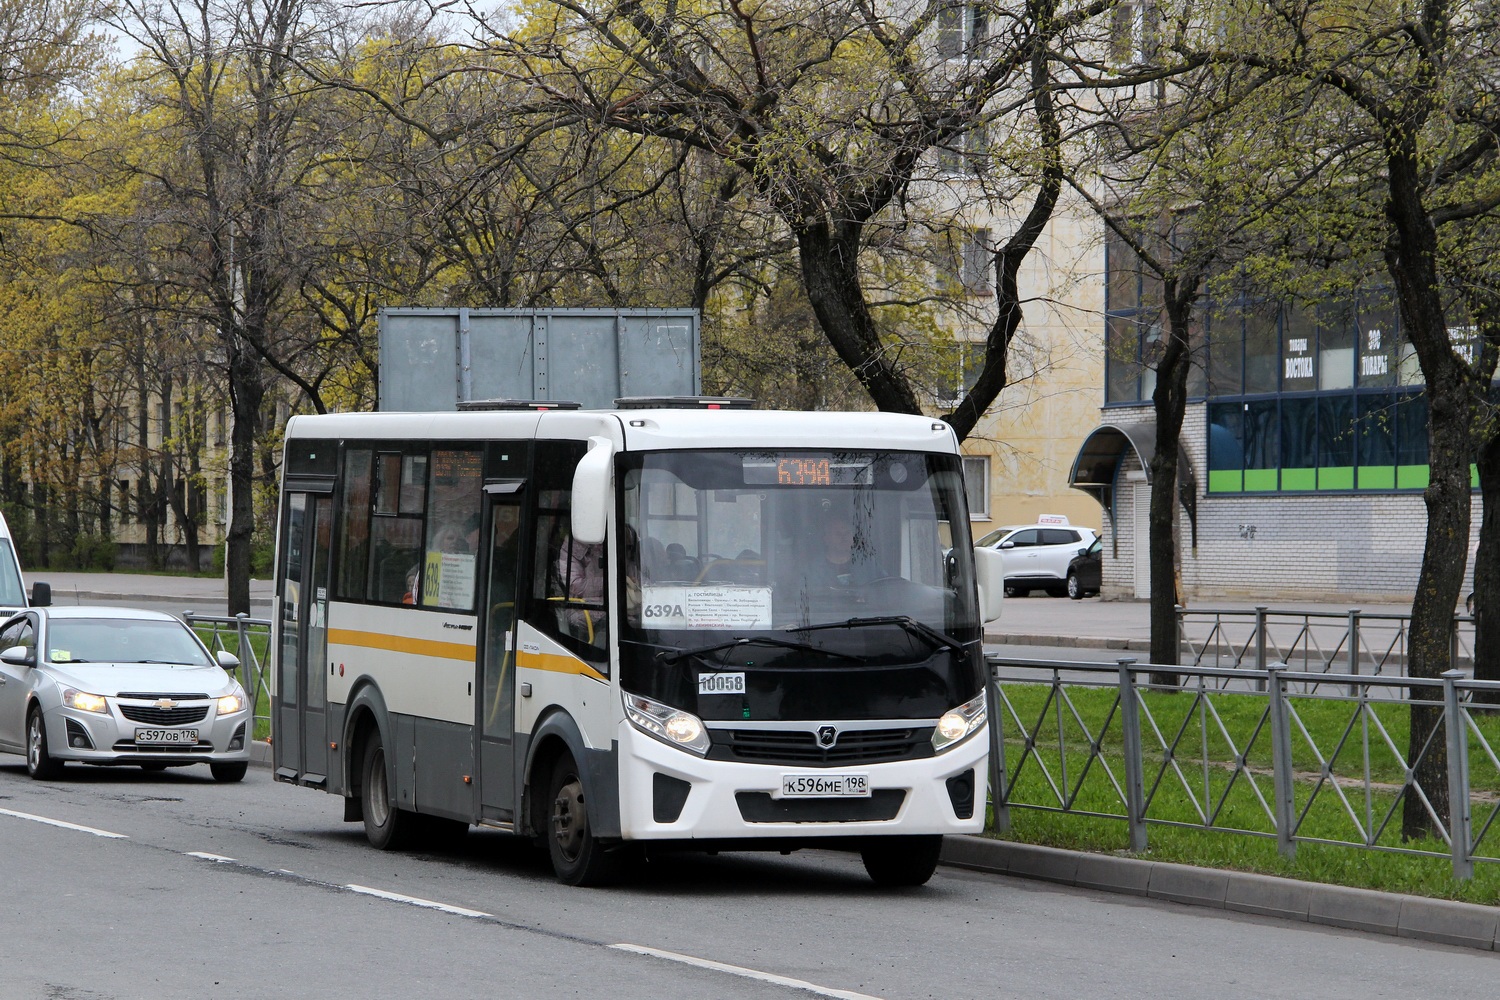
<point x="737" y="541"/>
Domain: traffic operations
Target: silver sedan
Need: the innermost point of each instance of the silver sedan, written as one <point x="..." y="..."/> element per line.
<point x="118" y="686"/>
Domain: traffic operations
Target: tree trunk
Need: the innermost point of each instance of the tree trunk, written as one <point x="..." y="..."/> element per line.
<point x="1412" y="262"/>
<point x="1487" y="571"/>
<point x="246" y="391"/>
<point x="1169" y="402"/>
<point x="830" y="272"/>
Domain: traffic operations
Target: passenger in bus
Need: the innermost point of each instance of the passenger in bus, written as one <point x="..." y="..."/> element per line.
<point x="413" y="579"/>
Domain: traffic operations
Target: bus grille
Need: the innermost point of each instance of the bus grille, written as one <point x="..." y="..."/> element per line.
<point x="800" y="748"/>
<point x="150" y="715"/>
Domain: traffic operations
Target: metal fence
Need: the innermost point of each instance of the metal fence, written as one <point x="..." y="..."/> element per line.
<point x="1298" y="756"/>
<point x="1351" y="642"/>
<point x="250" y="640"/>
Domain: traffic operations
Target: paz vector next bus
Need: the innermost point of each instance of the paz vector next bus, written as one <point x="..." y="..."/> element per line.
<point x="674" y="624"/>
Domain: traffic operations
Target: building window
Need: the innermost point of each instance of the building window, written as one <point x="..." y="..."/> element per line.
<point x="977" y="486"/>
<point x="975" y="262"/>
<point x="962" y="30"/>
<point x="1133" y="32"/>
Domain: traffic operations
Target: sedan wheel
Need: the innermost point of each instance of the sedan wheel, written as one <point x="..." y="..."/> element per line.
<point x="39" y="763"/>
<point x="1075" y="589"/>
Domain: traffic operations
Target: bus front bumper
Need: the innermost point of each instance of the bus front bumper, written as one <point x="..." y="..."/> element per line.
<point x="670" y="794"/>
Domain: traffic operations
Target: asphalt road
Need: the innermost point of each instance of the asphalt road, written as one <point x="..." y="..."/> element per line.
<point x="169" y="885"/>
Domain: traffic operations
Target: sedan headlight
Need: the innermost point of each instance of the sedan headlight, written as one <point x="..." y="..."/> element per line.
<point x="85" y="702"/>
<point x="231" y="703"/>
<point x="668" y="724"/>
<point x="958" y="723"/>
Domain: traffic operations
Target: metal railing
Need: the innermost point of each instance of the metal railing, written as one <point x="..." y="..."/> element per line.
<point x="1301" y="757"/>
<point x="1351" y="642"/>
<point x="250" y="640"/>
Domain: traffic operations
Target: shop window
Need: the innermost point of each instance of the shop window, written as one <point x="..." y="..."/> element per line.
<point x="1335" y="346"/>
<point x="1411" y="442"/>
<point x="1299" y="443"/>
<point x="1226" y="448"/>
<point x="1378" y="344"/>
<point x="1262" y="345"/>
<point x="1336" y="442"/>
<point x="1375" y="437"/>
<point x="1226" y="345"/>
<point x="1262" y="445"/>
<point x="1299" y="350"/>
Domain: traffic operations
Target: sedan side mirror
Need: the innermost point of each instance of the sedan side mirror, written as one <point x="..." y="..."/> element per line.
<point x="1007" y="545"/>
<point x="20" y="656"/>
<point x="226" y="659"/>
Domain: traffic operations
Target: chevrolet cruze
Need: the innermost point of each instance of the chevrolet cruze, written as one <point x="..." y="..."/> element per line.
<point x="118" y="686"/>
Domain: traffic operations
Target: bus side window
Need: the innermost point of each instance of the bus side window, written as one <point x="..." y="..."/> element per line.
<point x="568" y="578"/>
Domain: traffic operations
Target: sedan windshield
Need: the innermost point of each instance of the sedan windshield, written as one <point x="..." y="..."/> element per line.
<point x="123" y="640"/>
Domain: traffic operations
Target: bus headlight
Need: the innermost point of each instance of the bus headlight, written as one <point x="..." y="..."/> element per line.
<point x="957" y="723"/>
<point x="668" y="724"/>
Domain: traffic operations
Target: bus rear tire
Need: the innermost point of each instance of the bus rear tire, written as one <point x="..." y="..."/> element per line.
<point x="386" y="827"/>
<point x="901" y="861"/>
<point x="577" y="856"/>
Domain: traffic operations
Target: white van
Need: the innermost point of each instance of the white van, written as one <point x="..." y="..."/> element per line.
<point x="12" y="588"/>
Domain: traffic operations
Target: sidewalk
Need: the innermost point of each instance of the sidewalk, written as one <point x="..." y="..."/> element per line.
<point x="209" y="593"/>
<point x="1039" y="620"/>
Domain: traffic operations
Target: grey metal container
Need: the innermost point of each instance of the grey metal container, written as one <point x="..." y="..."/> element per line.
<point x="433" y="359"/>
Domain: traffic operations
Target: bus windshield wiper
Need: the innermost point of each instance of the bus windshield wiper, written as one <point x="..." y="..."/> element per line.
<point x="910" y="624"/>
<point x="672" y="656"/>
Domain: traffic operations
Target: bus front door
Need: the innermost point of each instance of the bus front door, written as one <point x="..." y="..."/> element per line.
<point x="497" y="657"/>
<point x="301" y="739"/>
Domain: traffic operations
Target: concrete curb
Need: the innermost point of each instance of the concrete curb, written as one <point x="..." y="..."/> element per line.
<point x="260" y="753"/>
<point x="1067" y="641"/>
<point x="1464" y="925"/>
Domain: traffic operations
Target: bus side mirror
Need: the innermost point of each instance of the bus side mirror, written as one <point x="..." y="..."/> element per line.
<point x="592" y="491"/>
<point x="989" y="573"/>
<point x="41" y="595"/>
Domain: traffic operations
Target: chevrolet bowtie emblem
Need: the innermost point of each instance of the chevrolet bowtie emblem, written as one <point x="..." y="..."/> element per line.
<point x="165" y="703"/>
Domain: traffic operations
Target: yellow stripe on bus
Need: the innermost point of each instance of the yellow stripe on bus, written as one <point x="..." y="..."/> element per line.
<point x="401" y="644"/>
<point x="559" y="664"/>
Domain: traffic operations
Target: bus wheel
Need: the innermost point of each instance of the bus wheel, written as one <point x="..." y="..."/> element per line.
<point x="386" y="827"/>
<point x="897" y="861"/>
<point x="577" y="857"/>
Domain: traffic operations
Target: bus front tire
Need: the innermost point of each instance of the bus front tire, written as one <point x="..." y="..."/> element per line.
<point x="386" y="827"/>
<point x="901" y="861"/>
<point x="577" y="856"/>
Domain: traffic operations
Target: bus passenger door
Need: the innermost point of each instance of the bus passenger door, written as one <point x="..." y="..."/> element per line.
<point x="301" y="738"/>
<point x="497" y="655"/>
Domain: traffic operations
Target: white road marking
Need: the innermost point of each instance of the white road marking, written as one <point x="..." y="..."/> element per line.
<point x="65" y="826"/>
<point x="216" y="858"/>
<point x="458" y="911"/>
<point x="736" y="970"/>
